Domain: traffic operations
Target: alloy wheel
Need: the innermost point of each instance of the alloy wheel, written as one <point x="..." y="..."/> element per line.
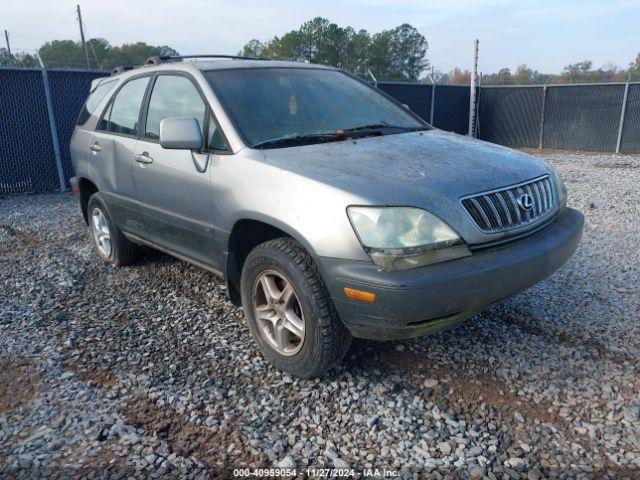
<point x="278" y="313"/>
<point x="101" y="232"/>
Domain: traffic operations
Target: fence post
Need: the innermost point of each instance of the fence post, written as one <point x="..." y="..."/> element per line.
<point x="54" y="130"/>
<point x="622" y="115"/>
<point x="544" y="104"/>
<point x="433" y="103"/>
<point x="472" y="95"/>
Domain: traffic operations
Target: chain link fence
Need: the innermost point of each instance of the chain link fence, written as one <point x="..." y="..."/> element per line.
<point x="443" y="106"/>
<point x="26" y="150"/>
<point x="630" y="134"/>
<point x="38" y="109"/>
<point x="69" y="90"/>
<point x="417" y="96"/>
<point x="588" y="117"/>
<point x="511" y="116"/>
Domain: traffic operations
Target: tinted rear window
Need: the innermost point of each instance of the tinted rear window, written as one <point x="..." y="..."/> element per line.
<point x="124" y="111"/>
<point x="95" y="97"/>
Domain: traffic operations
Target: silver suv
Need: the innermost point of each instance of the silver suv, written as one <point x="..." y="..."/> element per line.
<point x="329" y="208"/>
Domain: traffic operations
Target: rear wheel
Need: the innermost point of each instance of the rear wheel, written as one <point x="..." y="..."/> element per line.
<point x="108" y="240"/>
<point x="289" y="311"/>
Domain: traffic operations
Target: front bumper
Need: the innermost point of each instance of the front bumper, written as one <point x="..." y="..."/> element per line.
<point x="428" y="299"/>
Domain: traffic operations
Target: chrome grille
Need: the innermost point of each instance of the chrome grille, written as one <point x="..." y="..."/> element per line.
<point x="499" y="210"/>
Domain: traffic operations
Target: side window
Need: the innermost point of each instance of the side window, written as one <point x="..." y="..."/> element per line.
<point x="95" y="97"/>
<point x="124" y="111"/>
<point x="172" y="96"/>
<point x="216" y="140"/>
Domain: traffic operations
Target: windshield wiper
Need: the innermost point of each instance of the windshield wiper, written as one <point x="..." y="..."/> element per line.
<point x="338" y="135"/>
<point x="377" y="127"/>
<point x="299" y="140"/>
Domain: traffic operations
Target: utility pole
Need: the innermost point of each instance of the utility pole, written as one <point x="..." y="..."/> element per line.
<point x="84" y="44"/>
<point x="472" y="96"/>
<point x="6" y="37"/>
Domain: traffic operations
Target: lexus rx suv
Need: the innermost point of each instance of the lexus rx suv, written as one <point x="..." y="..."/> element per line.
<point x="330" y="210"/>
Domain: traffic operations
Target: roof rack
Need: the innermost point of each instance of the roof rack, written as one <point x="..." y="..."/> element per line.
<point x="158" y="60"/>
<point x="122" y="68"/>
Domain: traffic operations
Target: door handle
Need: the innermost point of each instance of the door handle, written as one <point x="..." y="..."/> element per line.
<point x="95" y="147"/>
<point x="143" y="158"/>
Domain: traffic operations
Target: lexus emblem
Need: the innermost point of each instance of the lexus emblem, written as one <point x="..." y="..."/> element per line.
<point x="525" y="201"/>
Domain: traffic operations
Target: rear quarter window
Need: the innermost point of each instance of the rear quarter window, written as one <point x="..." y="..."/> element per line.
<point x="121" y="116"/>
<point x="95" y="97"/>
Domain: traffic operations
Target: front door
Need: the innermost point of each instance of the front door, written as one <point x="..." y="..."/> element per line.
<point x="174" y="194"/>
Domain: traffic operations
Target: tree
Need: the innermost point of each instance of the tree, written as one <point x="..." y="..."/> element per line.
<point x="380" y="55"/>
<point x="134" y="54"/>
<point x="62" y="53"/>
<point x="98" y="49"/>
<point x="397" y="54"/>
<point x="610" y="72"/>
<point x="455" y="77"/>
<point x="253" y="48"/>
<point x="408" y="50"/>
<point x="358" y="53"/>
<point x="312" y="36"/>
<point x="523" y="76"/>
<point x="577" y="72"/>
<point x="69" y="54"/>
<point x="17" y="59"/>
<point x="634" y="69"/>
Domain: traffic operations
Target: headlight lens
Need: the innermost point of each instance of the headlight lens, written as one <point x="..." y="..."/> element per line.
<point x="397" y="238"/>
<point x="561" y="190"/>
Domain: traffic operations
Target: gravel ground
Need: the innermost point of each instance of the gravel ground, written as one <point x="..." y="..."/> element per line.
<point x="147" y="371"/>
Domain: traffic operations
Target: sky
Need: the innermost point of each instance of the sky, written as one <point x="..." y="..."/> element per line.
<point x="545" y="34"/>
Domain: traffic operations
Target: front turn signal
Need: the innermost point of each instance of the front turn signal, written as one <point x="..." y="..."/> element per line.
<point x="359" y="295"/>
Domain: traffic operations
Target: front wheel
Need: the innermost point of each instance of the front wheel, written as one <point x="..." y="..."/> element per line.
<point x="289" y="311"/>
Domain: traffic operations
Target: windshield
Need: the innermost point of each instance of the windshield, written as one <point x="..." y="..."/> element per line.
<point x="270" y="104"/>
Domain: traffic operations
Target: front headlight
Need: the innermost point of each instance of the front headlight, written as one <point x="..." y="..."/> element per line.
<point x="561" y="190"/>
<point x="397" y="238"/>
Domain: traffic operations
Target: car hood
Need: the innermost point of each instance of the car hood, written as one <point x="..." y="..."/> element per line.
<point x="394" y="169"/>
<point x="430" y="169"/>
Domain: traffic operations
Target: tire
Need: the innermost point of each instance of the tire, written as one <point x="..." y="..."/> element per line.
<point x="121" y="251"/>
<point x="325" y="340"/>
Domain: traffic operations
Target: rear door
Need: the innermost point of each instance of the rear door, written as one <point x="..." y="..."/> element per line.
<point x="111" y="148"/>
<point x="173" y="186"/>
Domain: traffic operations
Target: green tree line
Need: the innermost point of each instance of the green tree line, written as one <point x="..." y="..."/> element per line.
<point x="396" y="54"/>
<point x="69" y="54"/>
<point x="580" y="72"/>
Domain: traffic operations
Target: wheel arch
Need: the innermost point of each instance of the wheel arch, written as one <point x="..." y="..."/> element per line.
<point x="247" y="233"/>
<point x="86" y="188"/>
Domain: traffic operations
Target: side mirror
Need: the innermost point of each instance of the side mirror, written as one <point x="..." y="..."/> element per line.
<point x="180" y="133"/>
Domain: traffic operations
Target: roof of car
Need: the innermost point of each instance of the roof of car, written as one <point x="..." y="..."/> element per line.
<point x="226" y="64"/>
<point x="207" y="65"/>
